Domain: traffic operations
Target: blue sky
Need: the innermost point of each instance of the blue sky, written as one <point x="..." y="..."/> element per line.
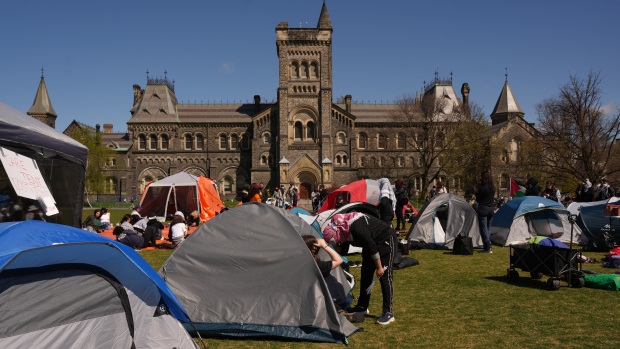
<point x="94" y="51"/>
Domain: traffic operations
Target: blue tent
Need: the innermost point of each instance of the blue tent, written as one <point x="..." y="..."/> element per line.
<point x="593" y="222"/>
<point x="40" y="248"/>
<point x="522" y="218"/>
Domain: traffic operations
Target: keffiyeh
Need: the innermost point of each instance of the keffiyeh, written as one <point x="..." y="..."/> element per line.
<point x="337" y="230"/>
<point x="386" y="191"/>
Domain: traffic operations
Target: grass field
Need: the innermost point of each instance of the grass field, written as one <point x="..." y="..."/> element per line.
<point x="452" y="301"/>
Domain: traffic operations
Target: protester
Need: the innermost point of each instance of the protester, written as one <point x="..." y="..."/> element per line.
<point x="277" y="196"/>
<point x="105" y="218"/>
<point x="129" y="237"/>
<point x="314" y="197"/>
<point x="126" y="222"/>
<point x="387" y="200"/>
<point x="31" y="211"/>
<point x="193" y="219"/>
<point x="245" y="194"/>
<point x="92" y="222"/>
<point x="604" y="191"/>
<point x="295" y="196"/>
<point x="314" y="245"/>
<point x="441" y="189"/>
<point x="17" y="214"/>
<point x="485" y="208"/>
<point x="433" y="192"/>
<point x="152" y="232"/>
<point x="178" y="229"/>
<point x="551" y="192"/>
<point x="135" y="214"/>
<point x="261" y="187"/>
<point x="401" y="200"/>
<point x="322" y="195"/>
<point x="587" y="192"/>
<point x="255" y="193"/>
<point x="379" y="243"/>
<point x="339" y="201"/>
<point x="532" y="188"/>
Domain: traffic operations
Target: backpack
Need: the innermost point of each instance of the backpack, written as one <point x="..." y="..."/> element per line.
<point x="463" y="245"/>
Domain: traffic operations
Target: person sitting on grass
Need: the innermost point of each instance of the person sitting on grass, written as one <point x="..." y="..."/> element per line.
<point x="178" y="229"/>
<point x="93" y="222"/>
<point x="128" y="237"/>
<point x="105" y="219"/>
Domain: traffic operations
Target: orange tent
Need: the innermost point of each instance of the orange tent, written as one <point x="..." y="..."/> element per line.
<point x="181" y="192"/>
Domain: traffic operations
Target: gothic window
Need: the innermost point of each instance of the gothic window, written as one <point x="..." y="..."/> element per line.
<point x="233" y="141"/>
<point x="303" y="70"/>
<point x="266" y="138"/>
<point x="245" y="141"/>
<point x="380" y="142"/>
<point x="341" y="138"/>
<point x="188" y="142"/>
<point x="400" y="141"/>
<point x="314" y="70"/>
<point x="164" y="142"/>
<point x="228" y="184"/>
<point x="362" y="140"/>
<point x="310" y="130"/>
<point x="153" y="142"/>
<point x="503" y="181"/>
<point x="200" y="142"/>
<point x="223" y="141"/>
<point x="263" y="160"/>
<point x="298" y="130"/>
<point x="515" y="144"/>
<point x="294" y="71"/>
<point x="142" y="142"/>
<point x="344" y="160"/>
<point x="338" y="160"/>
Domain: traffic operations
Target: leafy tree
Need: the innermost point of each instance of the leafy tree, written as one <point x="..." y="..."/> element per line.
<point x="98" y="155"/>
<point x="579" y="135"/>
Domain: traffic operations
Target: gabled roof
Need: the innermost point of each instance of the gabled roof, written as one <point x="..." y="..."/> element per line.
<point x="507" y="103"/>
<point x="324" y="21"/>
<point x="158" y="104"/>
<point x="120" y="141"/>
<point x="42" y="104"/>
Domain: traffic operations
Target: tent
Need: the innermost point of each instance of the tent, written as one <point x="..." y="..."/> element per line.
<point x="591" y="220"/>
<point x="522" y="218"/>
<point x="61" y="160"/>
<point x="248" y="273"/>
<point x="364" y="190"/>
<point x="63" y="287"/>
<point x="179" y="192"/>
<point x="442" y="219"/>
<point x="323" y="218"/>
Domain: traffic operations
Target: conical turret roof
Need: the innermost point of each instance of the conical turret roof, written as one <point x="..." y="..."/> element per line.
<point x="42" y="104"/>
<point x="324" y="21"/>
<point x="507" y="103"/>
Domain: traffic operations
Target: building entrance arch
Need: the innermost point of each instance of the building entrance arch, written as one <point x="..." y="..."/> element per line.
<point x="307" y="182"/>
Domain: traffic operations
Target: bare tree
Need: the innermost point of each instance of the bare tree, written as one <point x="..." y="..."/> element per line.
<point x="579" y="135"/>
<point x="434" y="130"/>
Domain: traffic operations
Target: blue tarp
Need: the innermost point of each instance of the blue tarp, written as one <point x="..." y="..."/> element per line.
<point x="31" y="244"/>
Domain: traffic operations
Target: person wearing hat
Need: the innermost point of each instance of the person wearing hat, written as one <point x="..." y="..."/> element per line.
<point x="379" y="243"/>
<point x="31" y="212"/>
<point x="136" y="214"/>
<point x="178" y="229"/>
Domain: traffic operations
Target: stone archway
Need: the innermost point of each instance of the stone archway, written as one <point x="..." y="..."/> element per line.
<point x="307" y="181"/>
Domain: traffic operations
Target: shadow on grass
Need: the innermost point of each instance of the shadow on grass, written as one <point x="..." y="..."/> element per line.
<point x="526" y="282"/>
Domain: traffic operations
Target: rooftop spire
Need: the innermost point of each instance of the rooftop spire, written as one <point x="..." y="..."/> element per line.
<point x="506" y="105"/>
<point x="42" y="105"/>
<point x="324" y="21"/>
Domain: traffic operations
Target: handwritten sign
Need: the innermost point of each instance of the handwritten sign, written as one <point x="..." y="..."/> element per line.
<point x="27" y="180"/>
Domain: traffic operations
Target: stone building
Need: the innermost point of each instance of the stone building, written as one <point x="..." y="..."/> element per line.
<point x="303" y="138"/>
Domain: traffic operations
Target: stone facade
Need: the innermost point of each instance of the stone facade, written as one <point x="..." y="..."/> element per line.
<point x="303" y="138"/>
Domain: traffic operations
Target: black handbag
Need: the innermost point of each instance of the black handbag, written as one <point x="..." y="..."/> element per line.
<point x="463" y="245"/>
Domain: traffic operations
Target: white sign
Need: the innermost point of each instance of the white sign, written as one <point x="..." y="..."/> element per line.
<point x="27" y="180"/>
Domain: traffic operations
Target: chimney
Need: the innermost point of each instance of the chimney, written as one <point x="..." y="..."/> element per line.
<point x="256" y="103"/>
<point x="347" y="102"/>
<point x="107" y="128"/>
<point x="98" y="128"/>
<point x="136" y="93"/>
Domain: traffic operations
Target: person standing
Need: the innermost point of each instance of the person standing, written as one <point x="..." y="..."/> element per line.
<point x="315" y="200"/>
<point x="551" y="192"/>
<point x="401" y="200"/>
<point x="294" y="197"/>
<point x="379" y="243"/>
<point x="485" y="209"/>
<point x="277" y="196"/>
<point x="387" y="201"/>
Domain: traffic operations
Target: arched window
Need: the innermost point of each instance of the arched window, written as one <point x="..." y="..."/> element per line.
<point x="503" y="181"/>
<point x="362" y="140"/>
<point x="344" y="160"/>
<point x="266" y="138"/>
<point x="303" y="70"/>
<point x="341" y="138"/>
<point x="200" y="142"/>
<point x="504" y="156"/>
<point x="298" y="130"/>
<point x="380" y="142"/>
<point x="400" y="141"/>
<point x="263" y="160"/>
<point x="228" y="185"/>
<point x="310" y="130"/>
<point x="142" y="142"/>
<point x="245" y="141"/>
<point x="515" y="144"/>
<point x="223" y="141"/>
<point x="233" y="141"/>
<point x="153" y="142"/>
<point x="314" y="70"/>
<point x="188" y="142"/>
<point x="294" y="71"/>
<point x="164" y="142"/>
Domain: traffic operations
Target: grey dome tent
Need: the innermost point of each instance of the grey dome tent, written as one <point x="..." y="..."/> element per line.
<point x="593" y="222"/>
<point x="248" y="273"/>
<point x="442" y="219"/>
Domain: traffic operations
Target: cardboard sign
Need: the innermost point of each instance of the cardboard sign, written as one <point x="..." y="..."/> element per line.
<point x="27" y="180"/>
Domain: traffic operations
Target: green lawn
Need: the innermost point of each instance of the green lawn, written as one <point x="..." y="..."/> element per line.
<point x="451" y="301"/>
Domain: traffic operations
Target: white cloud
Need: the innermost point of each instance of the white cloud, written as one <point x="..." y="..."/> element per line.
<point x="610" y="107"/>
<point x="228" y="67"/>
